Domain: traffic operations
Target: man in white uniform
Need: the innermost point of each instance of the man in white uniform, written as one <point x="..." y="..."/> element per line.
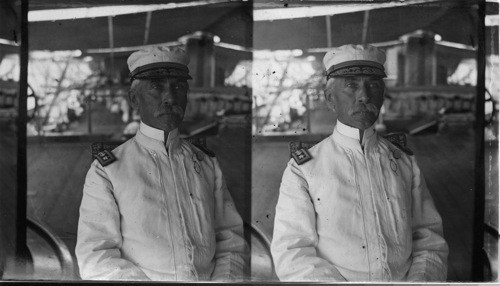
<point x="157" y="207"/>
<point x="355" y="207"/>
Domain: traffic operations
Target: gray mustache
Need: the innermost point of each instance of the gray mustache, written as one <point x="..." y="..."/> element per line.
<point x="166" y="108"/>
<point x="365" y="108"/>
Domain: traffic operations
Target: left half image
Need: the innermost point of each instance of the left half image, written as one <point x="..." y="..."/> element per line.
<point x="126" y="141"/>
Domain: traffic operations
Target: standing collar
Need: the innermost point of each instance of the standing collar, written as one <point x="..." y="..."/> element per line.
<point x="158" y="134"/>
<point x="353" y="134"/>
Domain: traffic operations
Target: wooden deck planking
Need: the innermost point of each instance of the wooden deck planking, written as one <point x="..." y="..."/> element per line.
<point x="447" y="161"/>
<point x="269" y="160"/>
<point x="55" y="181"/>
<point x="232" y="147"/>
<point x="8" y="198"/>
<point x="54" y="175"/>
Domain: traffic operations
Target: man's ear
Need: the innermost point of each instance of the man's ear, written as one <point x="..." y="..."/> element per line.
<point x="132" y="99"/>
<point x="329" y="102"/>
<point x="329" y="96"/>
<point x="132" y="96"/>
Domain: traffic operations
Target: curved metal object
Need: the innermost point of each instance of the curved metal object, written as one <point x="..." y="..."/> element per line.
<point x="262" y="236"/>
<point x="59" y="248"/>
<point x="489" y="253"/>
<point x="262" y="265"/>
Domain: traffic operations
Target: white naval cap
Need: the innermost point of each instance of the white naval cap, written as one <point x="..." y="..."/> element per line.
<point x="351" y="60"/>
<point x="159" y="62"/>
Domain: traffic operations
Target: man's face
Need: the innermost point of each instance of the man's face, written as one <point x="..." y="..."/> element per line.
<point x="356" y="99"/>
<point x="161" y="102"/>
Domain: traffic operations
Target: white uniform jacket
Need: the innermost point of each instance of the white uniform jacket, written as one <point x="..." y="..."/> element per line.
<point x="158" y="215"/>
<point x="357" y="214"/>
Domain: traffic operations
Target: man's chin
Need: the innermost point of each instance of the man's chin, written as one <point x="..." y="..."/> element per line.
<point x="171" y="125"/>
<point x="363" y="119"/>
<point x="166" y="125"/>
<point x="361" y="124"/>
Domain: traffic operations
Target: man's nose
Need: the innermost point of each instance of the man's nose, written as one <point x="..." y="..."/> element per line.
<point x="362" y="95"/>
<point x="167" y="97"/>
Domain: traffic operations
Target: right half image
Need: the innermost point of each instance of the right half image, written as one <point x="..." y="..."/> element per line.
<point x="375" y="141"/>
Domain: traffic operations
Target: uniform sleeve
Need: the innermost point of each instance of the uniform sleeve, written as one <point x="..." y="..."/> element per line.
<point x="99" y="237"/>
<point x="430" y="250"/>
<point x="295" y="238"/>
<point x="231" y="254"/>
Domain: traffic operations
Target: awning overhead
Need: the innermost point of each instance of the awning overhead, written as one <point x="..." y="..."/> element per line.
<point x="232" y="22"/>
<point x="453" y="21"/>
<point x="9" y="27"/>
<point x="65" y="4"/>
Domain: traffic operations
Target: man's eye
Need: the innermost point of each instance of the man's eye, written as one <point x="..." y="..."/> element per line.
<point x="352" y="84"/>
<point x="374" y="85"/>
<point x="179" y="86"/>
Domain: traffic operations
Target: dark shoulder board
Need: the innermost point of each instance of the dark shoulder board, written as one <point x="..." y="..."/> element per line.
<point x="301" y="156"/>
<point x="204" y="149"/>
<point x="105" y="157"/>
<point x="399" y="140"/>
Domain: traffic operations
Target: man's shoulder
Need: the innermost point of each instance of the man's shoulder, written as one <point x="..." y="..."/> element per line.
<point x="199" y="154"/>
<point x="108" y="153"/>
<point x="399" y="141"/>
<point x="309" y="151"/>
<point x="199" y="147"/>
